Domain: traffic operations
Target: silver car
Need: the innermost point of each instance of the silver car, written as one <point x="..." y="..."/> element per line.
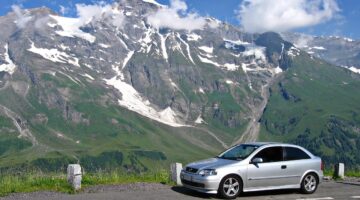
<point x="255" y="167"/>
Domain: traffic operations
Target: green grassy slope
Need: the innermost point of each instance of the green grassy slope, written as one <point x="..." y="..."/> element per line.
<point x="106" y="137"/>
<point x="316" y="105"/>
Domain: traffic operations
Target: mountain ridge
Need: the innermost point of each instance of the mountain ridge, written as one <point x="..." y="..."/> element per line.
<point x="92" y="92"/>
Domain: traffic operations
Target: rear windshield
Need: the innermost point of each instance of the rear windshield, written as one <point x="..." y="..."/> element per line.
<point x="239" y="152"/>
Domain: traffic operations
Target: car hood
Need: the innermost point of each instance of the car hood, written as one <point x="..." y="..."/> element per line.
<point x="212" y="163"/>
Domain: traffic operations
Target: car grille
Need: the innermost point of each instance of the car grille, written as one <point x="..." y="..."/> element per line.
<point x="191" y="170"/>
<point x="194" y="184"/>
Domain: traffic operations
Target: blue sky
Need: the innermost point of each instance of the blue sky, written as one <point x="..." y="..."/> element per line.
<point x="343" y="23"/>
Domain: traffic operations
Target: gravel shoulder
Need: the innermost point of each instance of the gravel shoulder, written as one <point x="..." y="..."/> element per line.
<point x="98" y="189"/>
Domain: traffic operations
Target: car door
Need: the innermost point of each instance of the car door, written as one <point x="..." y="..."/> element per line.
<point x="269" y="173"/>
<point x="296" y="162"/>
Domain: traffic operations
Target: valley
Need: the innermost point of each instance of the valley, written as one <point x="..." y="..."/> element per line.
<point x="113" y="90"/>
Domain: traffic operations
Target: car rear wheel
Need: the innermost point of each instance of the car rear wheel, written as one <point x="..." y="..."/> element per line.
<point x="230" y="187"/>
<point x="309" y="183"/>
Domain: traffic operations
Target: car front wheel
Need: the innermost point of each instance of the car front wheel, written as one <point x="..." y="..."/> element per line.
<point x="309" y="184"/>
<point x="230" y="187"/>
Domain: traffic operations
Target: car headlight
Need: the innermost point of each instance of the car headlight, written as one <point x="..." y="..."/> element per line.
<point x="207" y="172"/>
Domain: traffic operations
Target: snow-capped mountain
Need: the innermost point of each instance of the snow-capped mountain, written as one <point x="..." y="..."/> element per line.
<point x="117" y="81"/>
<point x="340" y="51"/>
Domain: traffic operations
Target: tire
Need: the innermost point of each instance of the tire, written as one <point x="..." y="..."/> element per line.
<point x="309" y="183"/>
<point x="230" y="187"/>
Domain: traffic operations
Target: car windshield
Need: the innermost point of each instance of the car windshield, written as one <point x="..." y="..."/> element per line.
<point x="239" y="152"/>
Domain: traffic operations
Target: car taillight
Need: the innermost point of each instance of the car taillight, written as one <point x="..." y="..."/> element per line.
<point x="322" y="166"/>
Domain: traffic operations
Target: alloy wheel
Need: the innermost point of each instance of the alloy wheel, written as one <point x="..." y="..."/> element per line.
<point x="231" y="186"/>
<point x="310" y="183"/>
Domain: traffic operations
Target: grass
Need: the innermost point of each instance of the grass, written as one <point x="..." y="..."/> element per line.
<point x="31" y="182"/>
<point x="348" y="173"/>
<point x="352" y="173"/>
<point x="120" y="177"/>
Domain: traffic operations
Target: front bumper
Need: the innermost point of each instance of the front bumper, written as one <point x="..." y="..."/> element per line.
<point x="204" y="184"/>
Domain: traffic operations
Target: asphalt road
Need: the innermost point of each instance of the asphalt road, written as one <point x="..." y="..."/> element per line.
<point x="327" y="190"/>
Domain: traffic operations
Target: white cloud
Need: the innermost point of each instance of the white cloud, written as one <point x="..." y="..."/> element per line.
<point x="303" y="41"/>
<point x="40" y="23"/>
<point x="284" y="15"/>
<point x="96" y="12"/>
<point x="21" y="18"/>
<point x="176" y="17"/>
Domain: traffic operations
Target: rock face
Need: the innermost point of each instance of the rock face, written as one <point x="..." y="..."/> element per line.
<point x="112" y="87"/>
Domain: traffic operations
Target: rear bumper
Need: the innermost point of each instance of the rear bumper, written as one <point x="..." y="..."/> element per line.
<point x="204" y="184"/>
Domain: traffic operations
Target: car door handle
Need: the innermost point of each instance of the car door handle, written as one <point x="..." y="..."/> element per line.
<point x="283" y="166"/>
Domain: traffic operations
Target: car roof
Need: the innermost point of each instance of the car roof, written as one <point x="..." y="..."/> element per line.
<point x="269" y="144"/>
<point x="274" y="144"/>
<point x="260" y="143"/>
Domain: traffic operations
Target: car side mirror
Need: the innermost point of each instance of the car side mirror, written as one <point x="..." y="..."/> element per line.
<point x="257" y="160"/>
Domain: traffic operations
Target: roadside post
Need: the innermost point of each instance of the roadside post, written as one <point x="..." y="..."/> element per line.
<point x="175" y="169"/>
<point x="74" y="176"/>
<point x="340" y="170"/>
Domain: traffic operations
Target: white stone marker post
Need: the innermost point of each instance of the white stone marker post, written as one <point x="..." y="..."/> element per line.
<point x="175" y="169"/>
<point x="74" y="176"/>
<point x="340" y="170"/>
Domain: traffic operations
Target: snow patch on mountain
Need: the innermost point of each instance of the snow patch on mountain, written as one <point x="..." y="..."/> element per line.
<point x="169" y="116"/>
<point x="172" y="83"/>
<point x="229" y="82"/>
<point x="348" y="39"/>
<point x="205" y="60"/>
<point x="10" y="66"/>
<point x="133" y="101"/>
<point x="199" y="120"/>
<point x="318" y="48"/>
<point x="71" y="28"/>
<point x="207" y="55"/>
<point x="54" y="55"/>
<point x="277" y="70"/>
<point x="163" y="46"/>
<point x="201" y="90"/>
<point x="64" y="47"/>
<point x="105" y="46"/>
<point x="235" y="42"/>
<point x="87" y="76"/>
<point x="207" y="49"/>
<point x="77" y="81"/>
<point x="187" y="49"/>
<point x="127" y="58"/>
<point x="353" y="69"/>
<point x="251" y="68"/>
<point x="231" y="67"/>
<point x="227" y="66"/>
<point x="153" y="2"/>
<point x="293" y="51"/>
<point x="146" y="39"/>
<point x="193" y="37"/>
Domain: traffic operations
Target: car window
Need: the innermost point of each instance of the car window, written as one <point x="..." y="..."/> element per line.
<point x="238" y="152"/>
<point x="270" y="154"/>
<point x="293" y="153"/>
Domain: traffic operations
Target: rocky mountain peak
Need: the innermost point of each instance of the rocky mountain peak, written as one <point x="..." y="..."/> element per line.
<point x="113" y="74"/>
